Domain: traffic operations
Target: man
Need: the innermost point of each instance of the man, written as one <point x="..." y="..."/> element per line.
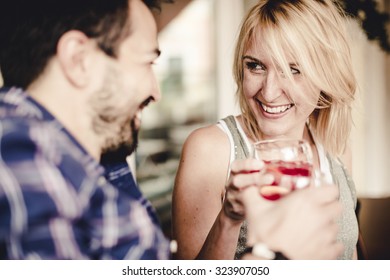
<point x="87" y="68"/>
<point x="77" y="75"/>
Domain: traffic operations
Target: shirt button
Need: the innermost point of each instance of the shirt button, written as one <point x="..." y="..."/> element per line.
<point x="101" y="181"/>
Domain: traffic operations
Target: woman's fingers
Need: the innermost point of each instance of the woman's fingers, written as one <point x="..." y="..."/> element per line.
<point x="246" y="166"/>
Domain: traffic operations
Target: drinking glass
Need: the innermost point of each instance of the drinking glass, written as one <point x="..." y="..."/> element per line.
<point x="290" y="161"/>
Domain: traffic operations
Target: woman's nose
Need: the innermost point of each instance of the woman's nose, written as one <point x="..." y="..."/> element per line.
<point x="271" y="87"/>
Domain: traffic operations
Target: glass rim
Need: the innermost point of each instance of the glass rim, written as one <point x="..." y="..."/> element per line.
<point x="282" y="143"/>
<point x="303" y="141"/>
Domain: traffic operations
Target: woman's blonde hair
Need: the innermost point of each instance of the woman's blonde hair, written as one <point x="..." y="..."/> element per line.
<point x="313" y="33"/>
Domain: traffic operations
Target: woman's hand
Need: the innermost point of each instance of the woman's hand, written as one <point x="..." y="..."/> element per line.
<point x="243" y="174"/>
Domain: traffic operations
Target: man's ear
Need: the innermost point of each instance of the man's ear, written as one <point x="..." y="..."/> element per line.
<point x="73" y="51"/>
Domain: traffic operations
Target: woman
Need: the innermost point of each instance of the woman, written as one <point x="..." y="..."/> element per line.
<point x="293" y="71"/>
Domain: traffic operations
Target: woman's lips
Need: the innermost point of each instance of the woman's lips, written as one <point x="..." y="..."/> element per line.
<point x="275" y="111"/>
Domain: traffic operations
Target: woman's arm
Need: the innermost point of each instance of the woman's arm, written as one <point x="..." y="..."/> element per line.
<point x="200" y="226"/>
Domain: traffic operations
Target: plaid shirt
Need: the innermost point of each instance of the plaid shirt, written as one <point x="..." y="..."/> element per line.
<point x="57" y="202"/>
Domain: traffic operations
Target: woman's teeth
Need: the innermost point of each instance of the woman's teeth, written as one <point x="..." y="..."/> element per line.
<point x="277" y="109"/>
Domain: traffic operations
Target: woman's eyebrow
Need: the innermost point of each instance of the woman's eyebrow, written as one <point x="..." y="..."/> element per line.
<point x="292" y="64"/>
<point x="250" y="57"/>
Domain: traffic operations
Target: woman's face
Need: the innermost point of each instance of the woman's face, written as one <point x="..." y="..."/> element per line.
<point x="281" y="106"/>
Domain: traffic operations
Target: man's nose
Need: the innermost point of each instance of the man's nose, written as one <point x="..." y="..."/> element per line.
<point x="155" y="91"/>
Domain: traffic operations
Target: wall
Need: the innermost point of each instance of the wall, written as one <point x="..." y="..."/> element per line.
<point x="371" y="134"/>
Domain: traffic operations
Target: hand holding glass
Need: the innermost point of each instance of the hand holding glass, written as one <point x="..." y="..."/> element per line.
<point x="290" y="161"/>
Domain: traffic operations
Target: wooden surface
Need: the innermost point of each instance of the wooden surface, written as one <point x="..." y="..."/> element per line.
<point x="168" y="12"/>
<point x="374" y="222"/>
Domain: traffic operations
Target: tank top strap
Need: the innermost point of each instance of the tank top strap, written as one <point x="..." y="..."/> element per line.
<point x="342" y="177"/>
<point x="240" y="152"/>
<point x="240" y="148"/>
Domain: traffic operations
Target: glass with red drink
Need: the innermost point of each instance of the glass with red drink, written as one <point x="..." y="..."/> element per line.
<point x="290" y="162"/>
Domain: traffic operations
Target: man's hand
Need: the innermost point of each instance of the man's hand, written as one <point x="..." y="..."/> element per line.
<point x="301" y="225"/>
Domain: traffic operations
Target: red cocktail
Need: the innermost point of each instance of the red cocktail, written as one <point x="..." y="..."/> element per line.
<point x="288" y="176"/>
<point x="289" y="161"/>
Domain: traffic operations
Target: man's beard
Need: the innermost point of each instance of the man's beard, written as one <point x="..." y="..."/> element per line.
<point x="118" y="153"/>
<point x="131" y="144"/>
<point x="117" y="130"/>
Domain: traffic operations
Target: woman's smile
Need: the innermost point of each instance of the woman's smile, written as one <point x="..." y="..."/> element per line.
<point x="273" y="111"/>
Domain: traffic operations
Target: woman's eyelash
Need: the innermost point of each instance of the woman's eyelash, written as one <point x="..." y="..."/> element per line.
<point x="251" y="65"/>
<point x="295" y="71"/>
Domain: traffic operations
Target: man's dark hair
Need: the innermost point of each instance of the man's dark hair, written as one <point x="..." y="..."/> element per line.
<point x="156" y="4"/>
<point x="30" y="30"/>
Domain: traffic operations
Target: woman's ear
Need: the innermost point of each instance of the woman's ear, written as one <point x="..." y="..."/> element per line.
<point x="73" y="51"/>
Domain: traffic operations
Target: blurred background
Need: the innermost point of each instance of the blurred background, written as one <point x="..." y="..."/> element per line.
<point x="197" y="40"/>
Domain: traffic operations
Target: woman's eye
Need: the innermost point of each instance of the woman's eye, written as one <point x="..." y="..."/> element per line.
<point x="294" y="71"/>
<point x="254" y="66"/>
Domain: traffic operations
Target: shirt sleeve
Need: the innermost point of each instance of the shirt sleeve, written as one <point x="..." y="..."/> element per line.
<point x="28" y="200"/>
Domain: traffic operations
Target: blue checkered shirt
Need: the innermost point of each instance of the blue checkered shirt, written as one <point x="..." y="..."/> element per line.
<point x="57" y="202"/>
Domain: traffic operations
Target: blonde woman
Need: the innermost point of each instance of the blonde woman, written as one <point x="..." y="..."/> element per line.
<point x="294" y="79"/>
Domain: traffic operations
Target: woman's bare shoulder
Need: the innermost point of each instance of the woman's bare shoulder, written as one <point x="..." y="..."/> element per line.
<point x="206" y="153"/>
<point x="207" y="139"/>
